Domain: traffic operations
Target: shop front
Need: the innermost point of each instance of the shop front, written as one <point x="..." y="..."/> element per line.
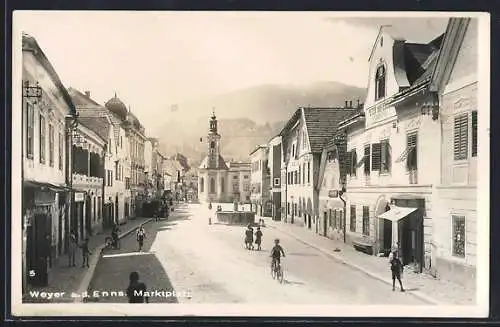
<point x="403" y="228"/>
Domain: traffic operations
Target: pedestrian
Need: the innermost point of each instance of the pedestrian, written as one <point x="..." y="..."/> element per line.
<point x="73" y="244"/>
<point x="396" y="269"/>
<point x="136" y="289"/>
<point x="258" y="238"/>
<point x="85" y="252"/>
<point x="141" y="235"/>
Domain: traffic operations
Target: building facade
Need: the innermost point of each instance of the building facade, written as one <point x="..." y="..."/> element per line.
<point x="88" y="177"/>
<point x="239" y="177"/>
<point x="47" y="111"/>
<point x="260" y="196"/>
<point x="390" y="181"/>
<point x="116" y="196"/>
<point x="131" y="145"/>
<point x="455" y="208"/>
<point x="332" y="182"/>
<point x="303" y="139"/>
<point x="274" y="166"/>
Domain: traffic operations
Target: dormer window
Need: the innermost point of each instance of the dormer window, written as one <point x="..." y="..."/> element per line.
<point x="380" y="83"/>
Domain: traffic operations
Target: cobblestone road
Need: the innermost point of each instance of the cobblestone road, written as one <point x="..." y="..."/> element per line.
<point x="208" y="264"/>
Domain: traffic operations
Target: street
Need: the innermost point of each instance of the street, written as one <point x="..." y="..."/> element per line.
<point x="209" y="264"/>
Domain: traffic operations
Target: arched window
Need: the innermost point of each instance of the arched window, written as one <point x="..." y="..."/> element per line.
<point x="212" y="145"/>
<point x="380" y="83"/>
<point x="222" y="185"/>
<point x="212" y="185"/>
<point x="202" y="185"/>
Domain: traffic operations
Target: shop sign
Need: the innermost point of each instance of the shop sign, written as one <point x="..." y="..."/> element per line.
<point x="79" y="197"/>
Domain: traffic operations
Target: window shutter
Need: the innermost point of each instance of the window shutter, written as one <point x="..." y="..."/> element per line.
<point x="376" y="156"/>
<point x="411" y="144"/>
<point x="474" y="134"/>
<point x="460" y="137"/>
<point x="366" y="159"/>
<point x="348" y="162"/>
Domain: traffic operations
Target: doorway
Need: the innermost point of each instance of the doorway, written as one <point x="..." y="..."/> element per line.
<point x="308" y="221"/>
<point x="38" y="245"/>
<point x="411" y="232"/>
<point x="88" y="215"/>
<point x="387" y="236"/>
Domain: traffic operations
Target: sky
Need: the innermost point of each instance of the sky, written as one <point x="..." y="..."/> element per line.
<point x="155" y="59"/>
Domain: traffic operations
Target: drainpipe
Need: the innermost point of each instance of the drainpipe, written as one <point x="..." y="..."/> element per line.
<point x="345" y="210"/>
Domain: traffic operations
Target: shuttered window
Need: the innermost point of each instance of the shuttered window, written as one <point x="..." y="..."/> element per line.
<point x="376" y="156"/>
<point x="366" y="220"/>
<point x="385" y="156"/>
<point x="352" y="222"/>
<point x="348" y="163"/>
<point x="367" y="159"/>
<point x="460" y="137"/>
<point x="474" y="134"/>
<point x="411" y="146"/>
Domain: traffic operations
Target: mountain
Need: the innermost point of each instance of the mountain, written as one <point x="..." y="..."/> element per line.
<point x="246" y="117"/>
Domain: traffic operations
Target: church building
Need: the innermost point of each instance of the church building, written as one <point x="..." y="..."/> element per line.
<point x="213" y="176"/>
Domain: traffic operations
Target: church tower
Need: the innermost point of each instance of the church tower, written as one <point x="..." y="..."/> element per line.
<point x="213" y="143"/>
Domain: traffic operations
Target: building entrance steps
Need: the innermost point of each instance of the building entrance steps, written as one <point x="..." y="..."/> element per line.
<point x="63" y="278"/>
<point x="428" y="288"/>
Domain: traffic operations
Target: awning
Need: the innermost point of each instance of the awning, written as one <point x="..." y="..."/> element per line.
<point x="396" y="213"/>
<point x="52" y="187"/>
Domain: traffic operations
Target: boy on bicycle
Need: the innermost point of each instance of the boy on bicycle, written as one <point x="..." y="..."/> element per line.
<point x="276" y="253"/>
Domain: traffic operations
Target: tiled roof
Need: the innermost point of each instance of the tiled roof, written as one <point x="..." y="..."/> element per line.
<point x="321" y="124"/>
<point x="98" y="125"/>
<point x="419" y="57"/>
<point x="86" y="107"/>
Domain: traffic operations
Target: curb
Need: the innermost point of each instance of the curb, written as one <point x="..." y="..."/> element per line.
<point x="85" y="283"/>
<point x="418" y="294"/>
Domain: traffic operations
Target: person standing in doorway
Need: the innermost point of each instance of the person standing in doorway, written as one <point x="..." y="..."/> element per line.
<point x="136" y="289"/>
<point x="141" y="235"/>
<point x="85" y="253"/>
<point x="73" y="244"/>
<point x="396" y="269"/>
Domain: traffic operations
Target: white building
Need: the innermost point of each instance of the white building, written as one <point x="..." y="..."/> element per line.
<point x="116" y="197"/>
<point x="390" y="151"/>
<point x="455" y="206"/>
<point x="260" y="181"/>
<point x="45" y="170"/>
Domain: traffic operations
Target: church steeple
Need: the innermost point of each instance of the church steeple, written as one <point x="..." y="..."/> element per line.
<point x="213" y="123"/>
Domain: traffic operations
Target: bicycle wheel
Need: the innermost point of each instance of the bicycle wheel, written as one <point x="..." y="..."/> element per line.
<point x="273" y="272"/>
<point x="280" y="275"/>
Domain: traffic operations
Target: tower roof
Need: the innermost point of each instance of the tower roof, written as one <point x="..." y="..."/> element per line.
<point x="117" y="106"/>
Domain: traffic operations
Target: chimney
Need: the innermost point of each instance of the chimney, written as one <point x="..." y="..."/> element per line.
<point x="346" y="103"/>
<point x="87" y="93"/>
<point x="350" y="104"/>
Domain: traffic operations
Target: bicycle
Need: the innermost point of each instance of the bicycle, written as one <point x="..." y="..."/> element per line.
<point x="277" y="271"/>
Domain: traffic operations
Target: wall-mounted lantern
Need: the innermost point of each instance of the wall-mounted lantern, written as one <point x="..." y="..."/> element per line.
<point x="32" y="91"/>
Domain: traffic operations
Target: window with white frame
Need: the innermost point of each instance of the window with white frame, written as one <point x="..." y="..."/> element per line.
<point x="51" y="145"/>
<point x="276" y="181"/>
<point x="458" y="230"/>
<point x="61" y="150"/>
<point x="474" y="133"/>
<point x="380" y="83"/>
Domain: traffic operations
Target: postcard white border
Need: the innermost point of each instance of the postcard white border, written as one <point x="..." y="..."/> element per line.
<point x="165" y="310"/>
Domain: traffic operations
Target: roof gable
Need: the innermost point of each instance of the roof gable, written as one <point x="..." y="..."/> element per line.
<point x="450" y="46"/>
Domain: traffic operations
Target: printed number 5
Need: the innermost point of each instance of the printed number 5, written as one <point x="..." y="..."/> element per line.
<point x="32" y="273"/>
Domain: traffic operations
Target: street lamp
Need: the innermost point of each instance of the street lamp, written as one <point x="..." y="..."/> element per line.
<point x="71" y="125"/>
